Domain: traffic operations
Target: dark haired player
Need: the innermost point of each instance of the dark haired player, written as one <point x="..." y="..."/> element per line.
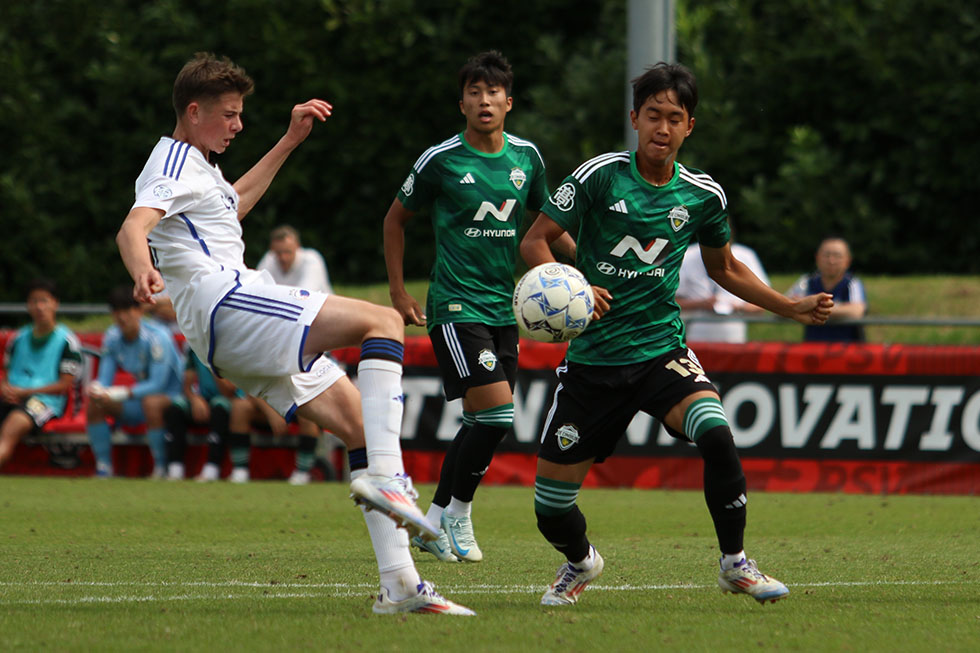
<point x="633" y="215"/>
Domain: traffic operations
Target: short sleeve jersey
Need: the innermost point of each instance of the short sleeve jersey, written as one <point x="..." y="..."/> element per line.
<point x="35" y="362"/>
<point x="631" y="237"/>
<point x="477" y="203"/>
<point x="151" y="358"/>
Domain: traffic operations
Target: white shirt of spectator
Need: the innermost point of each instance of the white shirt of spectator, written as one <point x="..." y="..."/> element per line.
<point x="308" y="271"/>
<point x="696" y="284"/>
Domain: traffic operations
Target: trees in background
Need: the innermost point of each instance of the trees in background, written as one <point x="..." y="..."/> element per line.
<point x="817" y="116"/>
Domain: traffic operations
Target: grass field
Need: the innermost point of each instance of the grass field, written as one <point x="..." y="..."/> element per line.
<point x="141" y="565"/>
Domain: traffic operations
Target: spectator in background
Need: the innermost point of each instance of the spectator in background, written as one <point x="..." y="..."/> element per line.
<point x="291" y="264"/>
<point x="698" y="292"/>
<point x="43" y="362"/>
<point x="147" y="352"/>
<point x="207" y="400"/>
<point x="833" y="276"/>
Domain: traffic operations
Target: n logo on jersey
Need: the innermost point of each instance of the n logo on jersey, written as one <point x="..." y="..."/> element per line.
<point x="678" y="217"/>
<point x="517" y="177"/>
<point x="502" y="214"/>
<point x="646" y="254"/>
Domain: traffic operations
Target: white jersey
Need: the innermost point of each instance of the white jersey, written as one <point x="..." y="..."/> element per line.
<point x="197" y="246"/>
<point x="695" y="283"/>
<point x="308" y="270"/>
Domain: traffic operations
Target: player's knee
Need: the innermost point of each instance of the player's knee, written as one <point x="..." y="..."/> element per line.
<point x="499" y="418"/>
<point x="389" y="323"/>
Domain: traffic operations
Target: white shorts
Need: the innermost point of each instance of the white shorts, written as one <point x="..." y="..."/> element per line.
<point x="258" y="334"/>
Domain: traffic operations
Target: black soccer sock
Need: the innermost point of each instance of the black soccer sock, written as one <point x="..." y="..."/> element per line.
<point x="474" y="457"/>
<point x="306" y="452"/>
<point x="240" y="445"/>
<point x="175" y="436"/>
<point x="218" y="437"/>
<point x="444" y="489"/>
<point x="566" y="532"/>
<point x="724" y="487"/>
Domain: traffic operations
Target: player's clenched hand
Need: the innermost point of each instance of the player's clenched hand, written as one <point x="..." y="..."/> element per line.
<point x="602" y="298"/>
<point x="147" y="284"/>
<point x="813" y="309"/>
<point x="302" y="117"/>
<point x="410" y="310"/>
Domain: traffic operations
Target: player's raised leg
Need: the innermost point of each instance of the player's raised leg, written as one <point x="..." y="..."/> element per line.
<point x="338" y="409"/>
<point x="379" y="331"/>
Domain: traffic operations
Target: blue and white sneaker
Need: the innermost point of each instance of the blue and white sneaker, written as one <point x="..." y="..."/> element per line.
<point x="427" y="601"/>
<point x="395" y="497"/>
<point x="438" y="547"/>
<point x="571" y="581"/>
<point x="459" y="531"/>
<point x="745" y="578"/>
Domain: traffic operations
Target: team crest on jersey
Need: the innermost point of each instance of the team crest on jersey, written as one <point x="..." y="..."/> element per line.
<point x="487" y="359"/>
<point x="678" y="217"/>
<point x="409" y="184"/>
<point x="162" y="192"/>
<point x="517" y="177"/>
<point x="567" y="436"/>
<point x="564" y="197"/>
<point x="299" y="293"/>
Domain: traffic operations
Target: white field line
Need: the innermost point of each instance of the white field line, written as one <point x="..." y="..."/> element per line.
<point x="343" y="590"/>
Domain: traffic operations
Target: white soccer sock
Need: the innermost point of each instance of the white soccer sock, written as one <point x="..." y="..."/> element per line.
<point x="459" y="508"/>
<point x="434" y="514"/>
<point x="382" y="404"/>
<point x="586" y="563"/>
<point x="729" y="560"/>
<point x="395" y="564"/>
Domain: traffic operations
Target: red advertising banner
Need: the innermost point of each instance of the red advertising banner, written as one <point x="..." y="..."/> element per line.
<point x="869" y="418"/>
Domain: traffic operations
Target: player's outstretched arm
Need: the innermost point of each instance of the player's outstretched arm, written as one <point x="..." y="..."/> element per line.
<point x="738" y="279"/>
<point x="394" y="239"/>
<point x="253" y="184"/>
<point x="135" y="252"/>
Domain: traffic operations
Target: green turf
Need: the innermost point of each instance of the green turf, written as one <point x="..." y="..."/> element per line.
<point x="141" y="565"/>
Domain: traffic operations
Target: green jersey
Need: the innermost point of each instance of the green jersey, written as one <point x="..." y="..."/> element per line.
<point x="631" y="237"/>
<point x="477" y="202"/>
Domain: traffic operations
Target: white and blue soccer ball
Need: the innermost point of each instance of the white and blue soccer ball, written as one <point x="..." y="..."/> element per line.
<point x="553" y="302"/>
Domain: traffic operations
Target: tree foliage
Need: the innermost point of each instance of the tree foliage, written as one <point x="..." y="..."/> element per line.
<point x="817" y="116"/>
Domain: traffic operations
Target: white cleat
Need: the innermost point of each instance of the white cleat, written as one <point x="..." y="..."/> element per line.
<point x="438" y="547"/>
<point x="175" y="472"/>
<point x="427" y="601"/>
<point x="239" y="475"/>
<point x="459" y="532"/>
<point x="299" y="478"/>
<point x="395" y="497"/>
<point x="210" y="472"/>
<point x="571" y="581"/>
<point x="745" y="578"/>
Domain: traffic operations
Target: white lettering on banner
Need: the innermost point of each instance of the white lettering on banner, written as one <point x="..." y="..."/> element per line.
<point x="902" y="399"/>
<point x="971" y="422"/>
<point x="638" y="432"/>
<point x="796" y="430"/>
<point x="765" y="412"/>
<point x="938" y="437"/>
<point x="854" y="419"/>
<point x="528" y="409"/>
<point x="416" y="389"/>
<point x="450" y="421"/>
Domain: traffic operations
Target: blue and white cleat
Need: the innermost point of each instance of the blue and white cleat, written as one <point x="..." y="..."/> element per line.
<point x="427" y="601"/>
<point x="745" y="578"/>
<point x="438" y="547"/>
<point x="459" y="531"/>
<point x="395" y="497"/>
<point x="572" y="581"/>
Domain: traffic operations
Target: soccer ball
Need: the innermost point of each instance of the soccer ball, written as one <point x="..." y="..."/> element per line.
<point x="553" y="302"/>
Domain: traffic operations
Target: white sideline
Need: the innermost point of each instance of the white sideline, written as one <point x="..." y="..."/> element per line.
<point x="345" y="590"/>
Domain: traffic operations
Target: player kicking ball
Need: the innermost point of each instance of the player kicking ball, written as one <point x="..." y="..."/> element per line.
<point x="635" y="213"/>
<point x="269" y="339"/>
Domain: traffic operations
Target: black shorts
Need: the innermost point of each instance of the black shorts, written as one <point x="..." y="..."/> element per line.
<point x="595" y="403"/>
<point x="39" y="412"/>
<point x="471" y="354"/>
